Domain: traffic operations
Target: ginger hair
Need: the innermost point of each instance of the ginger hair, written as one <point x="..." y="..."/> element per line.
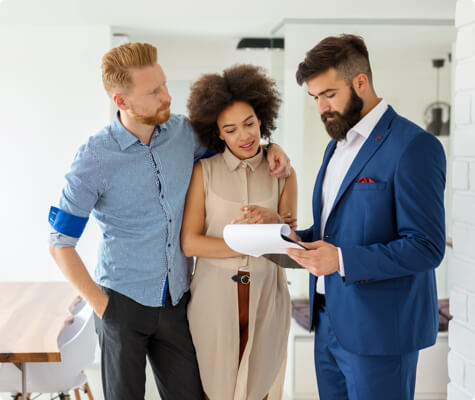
<point x="118" y="62"/>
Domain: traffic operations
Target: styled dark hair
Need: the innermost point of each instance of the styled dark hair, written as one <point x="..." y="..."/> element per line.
<point x="212" y="93"/>
<point x="346" y="53"/>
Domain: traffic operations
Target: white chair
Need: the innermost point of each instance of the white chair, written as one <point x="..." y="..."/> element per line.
<point x="77" y="305"/>
<point x="77" y="344"/>
<point x="10" y="378"/>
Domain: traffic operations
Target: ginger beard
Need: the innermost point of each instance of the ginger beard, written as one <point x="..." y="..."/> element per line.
<point x="161" y="116"/>
<point x="338" y="127"/>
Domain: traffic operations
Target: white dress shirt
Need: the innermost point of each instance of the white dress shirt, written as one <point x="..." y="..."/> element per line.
<point x="338" y="166"/>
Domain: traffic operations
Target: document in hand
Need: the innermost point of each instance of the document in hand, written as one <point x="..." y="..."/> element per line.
<point x="268" y="240"/>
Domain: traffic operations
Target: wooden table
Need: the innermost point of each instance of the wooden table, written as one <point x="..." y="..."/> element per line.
<point x="31" y="317"/>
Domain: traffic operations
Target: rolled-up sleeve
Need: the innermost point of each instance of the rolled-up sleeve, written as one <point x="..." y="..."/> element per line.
<point x="59" y="240"/>
<point x="84" y="185"/>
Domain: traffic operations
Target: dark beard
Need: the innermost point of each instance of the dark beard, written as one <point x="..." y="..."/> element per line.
<point x="342" y="123"/>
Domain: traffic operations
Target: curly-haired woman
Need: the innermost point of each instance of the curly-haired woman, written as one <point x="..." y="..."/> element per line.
<point x="239" y="312"/>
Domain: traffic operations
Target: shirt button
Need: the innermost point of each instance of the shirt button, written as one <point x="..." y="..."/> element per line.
<point x="169" y="245"/>
<point x="163" y="196"/>
<point x="170" y="220"/>
<point x="169" y="270"/>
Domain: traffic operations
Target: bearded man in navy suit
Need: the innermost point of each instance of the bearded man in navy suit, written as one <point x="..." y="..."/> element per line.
<point x="378" y="232"/>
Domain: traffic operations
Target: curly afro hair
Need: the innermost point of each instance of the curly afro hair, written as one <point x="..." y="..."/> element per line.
<point x="213" y="93"/>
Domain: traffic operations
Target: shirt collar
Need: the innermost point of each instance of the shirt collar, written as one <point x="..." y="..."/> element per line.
<point x="124" y="137"/>
<point x="366" y="124"/>
<point x="234" y="162"/>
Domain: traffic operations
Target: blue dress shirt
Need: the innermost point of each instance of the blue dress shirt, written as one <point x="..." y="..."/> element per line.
<point x="137" y="194"/>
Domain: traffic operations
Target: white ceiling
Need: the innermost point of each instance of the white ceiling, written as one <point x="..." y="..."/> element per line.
<point x="235" y="18"/>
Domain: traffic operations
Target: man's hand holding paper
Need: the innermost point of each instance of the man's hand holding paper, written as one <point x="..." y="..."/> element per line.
<point x="320" y="259"/>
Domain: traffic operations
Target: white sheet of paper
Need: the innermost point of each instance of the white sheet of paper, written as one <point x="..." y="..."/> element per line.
<point x="258" y="239"/>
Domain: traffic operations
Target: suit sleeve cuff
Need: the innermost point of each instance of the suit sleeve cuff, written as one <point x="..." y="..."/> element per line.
<point x="305" y="235"/>
<point x="341" y="263"/>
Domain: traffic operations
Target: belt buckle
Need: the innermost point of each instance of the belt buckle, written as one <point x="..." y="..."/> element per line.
<point x="243" y="279"/>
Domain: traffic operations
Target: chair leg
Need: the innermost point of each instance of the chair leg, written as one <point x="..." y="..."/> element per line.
<point x="77" y="396"/>
<point x="87" y="390"/>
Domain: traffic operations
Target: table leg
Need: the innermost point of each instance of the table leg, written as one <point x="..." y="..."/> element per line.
<point x="21" y="367"/>
<point x="23" y="381"/>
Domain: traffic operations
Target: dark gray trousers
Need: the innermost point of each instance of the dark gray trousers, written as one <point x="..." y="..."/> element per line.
<point x="129" y="332"/>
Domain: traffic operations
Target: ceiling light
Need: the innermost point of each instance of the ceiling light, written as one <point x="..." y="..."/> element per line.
<point x="261" y="43"/>
<point x="437" y="114"/>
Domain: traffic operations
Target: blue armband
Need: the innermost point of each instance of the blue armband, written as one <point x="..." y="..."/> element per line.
<point x="65" y="223"/>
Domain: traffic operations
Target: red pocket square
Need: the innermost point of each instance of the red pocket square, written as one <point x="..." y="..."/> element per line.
<point x="365" y="179"/>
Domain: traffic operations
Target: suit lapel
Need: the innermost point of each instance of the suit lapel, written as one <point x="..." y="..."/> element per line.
<point x="370" y="146"/>
<point x="317" y="193"/>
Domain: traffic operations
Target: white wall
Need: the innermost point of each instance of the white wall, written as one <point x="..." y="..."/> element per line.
<point x="401" y="59"/>
<point x="462" y="261"/>
<point x="51" y="100"/>
<point x="185" y="59"/>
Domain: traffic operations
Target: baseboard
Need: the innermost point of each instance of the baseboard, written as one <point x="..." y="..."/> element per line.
<point x="430" y="396"/>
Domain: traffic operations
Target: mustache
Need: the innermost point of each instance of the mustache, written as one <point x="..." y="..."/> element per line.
<point x="165" y="106"/>
<point x="330" y="114"/>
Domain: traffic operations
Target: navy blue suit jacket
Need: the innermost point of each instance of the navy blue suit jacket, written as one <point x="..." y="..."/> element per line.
<point x="392" y="237"/>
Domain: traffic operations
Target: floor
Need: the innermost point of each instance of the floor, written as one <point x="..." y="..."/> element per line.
<point x="431" y="378"/>
<point x="94" y="379"/>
